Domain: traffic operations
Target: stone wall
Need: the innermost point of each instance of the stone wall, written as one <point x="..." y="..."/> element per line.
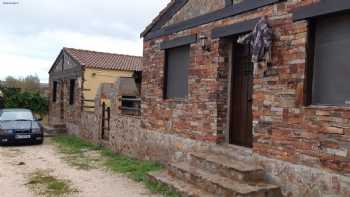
<point x="127" y="136"/>
<point x="196" y="8"/>
<point x="300" y="180"/>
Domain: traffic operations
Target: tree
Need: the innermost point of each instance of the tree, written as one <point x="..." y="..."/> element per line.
<point x="30" y="83"/>
<point x="11" y="82"/>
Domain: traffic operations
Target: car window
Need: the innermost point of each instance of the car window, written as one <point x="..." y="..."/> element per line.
<point x="15" y="115"/>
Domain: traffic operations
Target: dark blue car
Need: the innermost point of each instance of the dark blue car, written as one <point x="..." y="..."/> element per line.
<point x="19" y="126"/>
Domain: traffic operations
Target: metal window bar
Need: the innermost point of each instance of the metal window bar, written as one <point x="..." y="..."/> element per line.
<point x="130" y="105"/>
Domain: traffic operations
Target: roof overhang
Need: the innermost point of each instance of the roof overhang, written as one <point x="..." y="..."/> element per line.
<point x="322" y="8"/>
<point x="226" y="12"/>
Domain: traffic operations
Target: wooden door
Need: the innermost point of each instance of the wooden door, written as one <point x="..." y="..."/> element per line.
<point x="241" y="97"/>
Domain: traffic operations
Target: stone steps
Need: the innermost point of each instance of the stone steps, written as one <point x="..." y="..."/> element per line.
<point x="219" y="185"/>
<point x="232" y="151"/>
<point x="183" y="188"/>
<point x="227" y="167"/>
<point x="220" y="171"/>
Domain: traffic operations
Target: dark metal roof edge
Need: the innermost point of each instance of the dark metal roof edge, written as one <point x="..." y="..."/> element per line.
<point x="226" y="12"/>
<point x="234" y="29"/>
<point x="164" y="17"/>
<point x="55" y="62"/>
<point x="324" y="7"/>
<point x="177" y="42"/>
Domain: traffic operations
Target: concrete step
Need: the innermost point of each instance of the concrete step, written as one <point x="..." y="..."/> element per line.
<point x="183" y="188"/>
<point x="220" y="185"/>
<point x="227" y="167"/>
<point x="234" y="152"/>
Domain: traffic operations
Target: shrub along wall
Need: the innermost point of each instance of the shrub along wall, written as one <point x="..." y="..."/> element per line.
<point x="14" y="98"/>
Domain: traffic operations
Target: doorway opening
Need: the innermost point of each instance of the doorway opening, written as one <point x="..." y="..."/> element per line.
<point x="241" y="92"/>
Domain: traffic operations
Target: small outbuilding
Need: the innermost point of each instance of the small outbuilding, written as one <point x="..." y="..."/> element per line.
<point x="75" y="78"/>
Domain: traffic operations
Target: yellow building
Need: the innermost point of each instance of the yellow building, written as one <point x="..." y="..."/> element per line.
<point x="76" y="76"/>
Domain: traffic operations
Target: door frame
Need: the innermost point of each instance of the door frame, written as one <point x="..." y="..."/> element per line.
<point x="229" y="93"/>
<point x="229" y="90"/>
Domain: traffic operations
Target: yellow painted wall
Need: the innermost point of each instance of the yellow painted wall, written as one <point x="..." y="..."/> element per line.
<point x="95" y="77"/>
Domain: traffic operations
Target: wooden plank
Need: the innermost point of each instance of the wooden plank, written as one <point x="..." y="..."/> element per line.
<point x="88" y="100"/>
<point x="88" y="106"/>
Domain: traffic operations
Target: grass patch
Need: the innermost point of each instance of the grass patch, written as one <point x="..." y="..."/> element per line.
<point x="135" y="169"/>
<point x="75" y="151"/>
<point x="46" y="185"/>
<point x="72" y="144"/>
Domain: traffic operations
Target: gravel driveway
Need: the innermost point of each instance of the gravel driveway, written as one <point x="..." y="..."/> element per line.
<point x="17" y="164"/>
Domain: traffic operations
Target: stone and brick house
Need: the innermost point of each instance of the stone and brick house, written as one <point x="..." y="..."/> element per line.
<point x="224" y="126"/>
<point x="75" y="80"/>
<point x="200" y="93"/>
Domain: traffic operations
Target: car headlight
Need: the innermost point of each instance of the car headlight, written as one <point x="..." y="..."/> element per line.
<point x="6" y="131"/>
<point x="36" y="130"/>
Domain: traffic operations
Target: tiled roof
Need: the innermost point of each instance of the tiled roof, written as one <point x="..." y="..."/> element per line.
<point x="101" y="60"/>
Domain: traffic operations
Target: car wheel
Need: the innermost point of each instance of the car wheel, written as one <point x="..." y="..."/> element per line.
<point x="39" y="142"/>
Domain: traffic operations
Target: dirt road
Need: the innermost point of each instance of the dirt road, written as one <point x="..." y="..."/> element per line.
<point x="18" y="164"/>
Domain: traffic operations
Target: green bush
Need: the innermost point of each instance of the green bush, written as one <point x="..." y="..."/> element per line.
<point x="15" y="98"/>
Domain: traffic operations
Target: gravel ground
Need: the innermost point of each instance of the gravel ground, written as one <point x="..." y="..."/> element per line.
<point x="18" y="163"/>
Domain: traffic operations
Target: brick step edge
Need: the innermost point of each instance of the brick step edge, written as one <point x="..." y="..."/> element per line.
<point x="220" y="185"/>
<point x="183" y="188"/>
<point x="227" y="167"/>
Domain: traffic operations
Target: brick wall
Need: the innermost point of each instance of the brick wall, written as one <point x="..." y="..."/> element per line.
<point x="284" y="128"/>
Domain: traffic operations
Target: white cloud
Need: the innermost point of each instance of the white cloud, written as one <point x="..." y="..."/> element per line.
<point x="36" y="53"/>
<point x="21" y="66"/>
<point x="33" y="32"/>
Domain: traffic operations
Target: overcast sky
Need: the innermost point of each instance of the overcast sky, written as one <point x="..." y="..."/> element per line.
<point x="32" y="32"/>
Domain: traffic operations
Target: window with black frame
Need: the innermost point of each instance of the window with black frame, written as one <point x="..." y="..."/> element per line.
<point x="176" y="72"/>
<point x="329" y="67"/>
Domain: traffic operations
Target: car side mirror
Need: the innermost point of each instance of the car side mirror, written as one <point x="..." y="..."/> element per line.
<point x="39" y="119"/>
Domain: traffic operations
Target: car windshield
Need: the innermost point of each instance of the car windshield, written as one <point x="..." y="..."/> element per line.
<point x="16" y="116"/>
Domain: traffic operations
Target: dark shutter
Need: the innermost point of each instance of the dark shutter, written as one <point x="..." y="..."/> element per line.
<point x="71" y="91"/>
<point x="54" y="91"/>
<point x="177" y="60"/>
<point x="331" y="76"/>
